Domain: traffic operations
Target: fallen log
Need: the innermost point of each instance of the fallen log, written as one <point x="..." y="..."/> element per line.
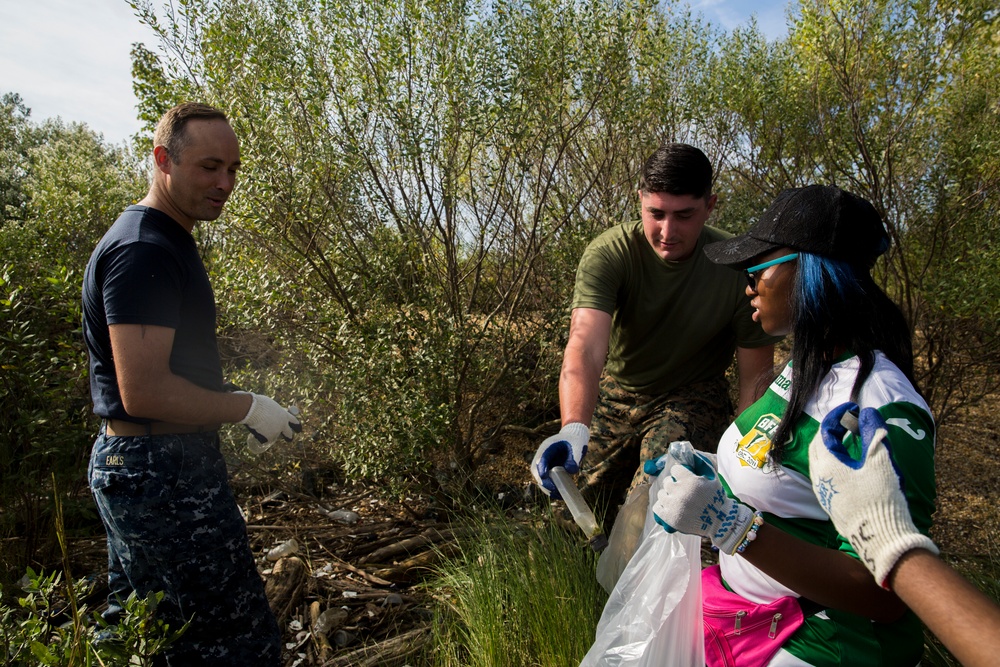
<point x="399" y="532"/>
<point x="388" y="653"/>
<point x="409" y="545"/>
<point x="406" y="571"/>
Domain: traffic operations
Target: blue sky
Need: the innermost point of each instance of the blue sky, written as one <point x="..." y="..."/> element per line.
<point x="70" y="58"/>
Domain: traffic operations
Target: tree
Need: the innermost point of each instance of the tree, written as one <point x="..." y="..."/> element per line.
<point x="867" y="94"/>
<point x="72" y="189"/>
<point x="17" y="137"/>
<point x="425" y="173"/>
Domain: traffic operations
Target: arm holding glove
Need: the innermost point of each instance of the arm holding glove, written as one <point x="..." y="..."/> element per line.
<point x="864" y="499"/>
<point x="693" y="501"/>
<point x="583" y="359"/>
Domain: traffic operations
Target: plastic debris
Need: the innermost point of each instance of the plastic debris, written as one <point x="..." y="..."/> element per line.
<point x="286" y="548"/>
<point x="328" y="620"/>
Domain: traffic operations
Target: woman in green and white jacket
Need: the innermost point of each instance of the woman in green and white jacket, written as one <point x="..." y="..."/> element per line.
<point x="808" y="262"/>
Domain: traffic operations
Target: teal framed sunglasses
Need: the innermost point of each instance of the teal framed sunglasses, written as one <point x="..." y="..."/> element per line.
<point x="757" y="268"/>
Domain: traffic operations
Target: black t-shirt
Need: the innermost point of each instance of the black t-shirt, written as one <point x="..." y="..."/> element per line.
<point x="147" y="270"/>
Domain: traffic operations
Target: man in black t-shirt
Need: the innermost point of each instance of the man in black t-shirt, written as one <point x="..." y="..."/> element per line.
<point x="156" y="472"/>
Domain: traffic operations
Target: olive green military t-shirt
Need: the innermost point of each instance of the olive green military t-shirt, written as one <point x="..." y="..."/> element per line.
<point x="673" y="323"/>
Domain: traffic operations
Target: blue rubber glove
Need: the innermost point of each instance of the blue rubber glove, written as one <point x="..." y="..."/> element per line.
<point x="864" y="496"/>
<point x="567" y="449"/>
<point x="693" y="502"/>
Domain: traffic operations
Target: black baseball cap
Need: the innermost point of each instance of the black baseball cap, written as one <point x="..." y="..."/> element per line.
<point x="817" y="219"/>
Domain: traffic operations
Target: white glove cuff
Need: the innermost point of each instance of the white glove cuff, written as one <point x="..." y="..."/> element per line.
<point x="883" y="538"/>
<point x="576" y="429"/>
<point x="741" y="526"/>
<point x="253" y="407"/>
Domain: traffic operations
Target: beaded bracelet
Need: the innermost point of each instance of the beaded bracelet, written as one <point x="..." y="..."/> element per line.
<point x="751" y="535"/>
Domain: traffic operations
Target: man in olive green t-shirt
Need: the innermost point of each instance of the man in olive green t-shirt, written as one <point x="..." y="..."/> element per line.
<point x="653" y="329"/>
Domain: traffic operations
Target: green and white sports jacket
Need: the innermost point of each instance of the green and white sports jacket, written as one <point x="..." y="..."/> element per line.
<point x="784" y="494"/>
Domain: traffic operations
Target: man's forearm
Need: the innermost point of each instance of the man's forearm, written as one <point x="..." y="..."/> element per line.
<point x="577" y="395"/>
<point x="583" y="361"/>
<point x="151" y="390"/>
<point x="175" y="399"/>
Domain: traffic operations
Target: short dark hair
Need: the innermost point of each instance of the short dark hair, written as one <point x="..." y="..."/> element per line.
<point x="170" y="130"/>
<point x="677" y="169"/>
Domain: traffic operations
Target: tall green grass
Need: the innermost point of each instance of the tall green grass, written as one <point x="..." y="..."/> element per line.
<point x="516" y="595"/>
<point x="527" y="595"/>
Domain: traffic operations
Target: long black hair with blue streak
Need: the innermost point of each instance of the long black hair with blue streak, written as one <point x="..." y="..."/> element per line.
<point x="837" y="305"/>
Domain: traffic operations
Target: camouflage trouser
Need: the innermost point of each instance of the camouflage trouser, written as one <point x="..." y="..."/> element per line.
<point x="628" y="429"/>
<point x="173" y="525"/>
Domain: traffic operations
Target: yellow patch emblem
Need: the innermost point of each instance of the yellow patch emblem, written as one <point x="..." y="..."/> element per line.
<point x="752" y="448"/>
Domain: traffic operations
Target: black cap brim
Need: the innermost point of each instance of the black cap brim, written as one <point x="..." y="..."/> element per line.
<point x="739" y="251"/>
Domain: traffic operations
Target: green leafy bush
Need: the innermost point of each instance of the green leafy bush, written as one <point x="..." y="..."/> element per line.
<point x="46" y="627"/>
<point x="44" y="406"/>
<point x="72" y="188"/>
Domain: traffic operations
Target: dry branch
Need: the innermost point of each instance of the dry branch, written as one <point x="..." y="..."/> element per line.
<point x="389" y="553"/>
<point x="386" y="653"/>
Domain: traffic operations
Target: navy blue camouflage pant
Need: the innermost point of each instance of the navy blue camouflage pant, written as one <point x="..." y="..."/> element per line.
<point x="173" y="525"/>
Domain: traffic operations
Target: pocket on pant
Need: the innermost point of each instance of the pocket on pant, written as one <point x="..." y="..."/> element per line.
<point x="121" y="480"/>
<point x="131" y="480"/>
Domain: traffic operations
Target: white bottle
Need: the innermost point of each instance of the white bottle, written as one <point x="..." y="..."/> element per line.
<point x="328" y="620"/>
<point x="582" y="514"/>
<point x="286" y="548"/>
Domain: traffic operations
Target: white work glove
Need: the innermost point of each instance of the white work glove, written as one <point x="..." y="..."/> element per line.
<point x="864" y="497"/>
<point x="567" y="449"/>
<point x="267" y="421"/>
<point x="693" y="501"/>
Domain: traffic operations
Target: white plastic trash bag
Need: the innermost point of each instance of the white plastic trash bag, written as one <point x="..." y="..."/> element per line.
<point x="653" y="615"/>
<point x="624" y="538"/>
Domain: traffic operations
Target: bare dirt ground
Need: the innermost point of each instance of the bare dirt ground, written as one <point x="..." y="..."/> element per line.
<point x="967" y="522"/>
<point x="365" y="575"/>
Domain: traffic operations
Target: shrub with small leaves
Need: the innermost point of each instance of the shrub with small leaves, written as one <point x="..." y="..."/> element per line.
<point x="43" y="629"/>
